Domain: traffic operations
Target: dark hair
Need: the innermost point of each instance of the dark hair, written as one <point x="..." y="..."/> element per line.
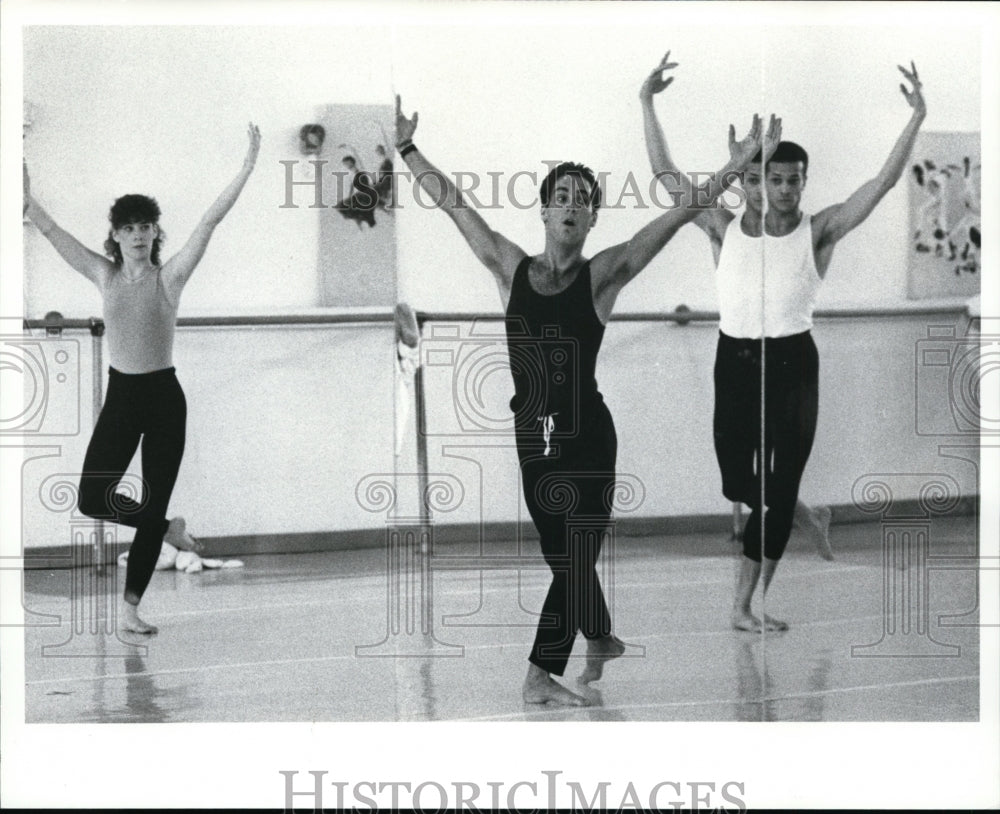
<point x="133" y="209"/>
<point x="787" y="152"/>
<point x="570" y="168"/>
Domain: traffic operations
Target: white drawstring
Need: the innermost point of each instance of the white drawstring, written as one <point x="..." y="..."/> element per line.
<point x="548" y="426"/>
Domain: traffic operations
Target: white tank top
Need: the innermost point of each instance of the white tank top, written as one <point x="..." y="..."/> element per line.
<point x="139" y="321"/>
<point x="788" y="288"/>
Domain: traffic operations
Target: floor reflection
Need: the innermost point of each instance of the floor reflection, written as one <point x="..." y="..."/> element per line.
<point x="143" y="700"/>
<point x="754" y="683"/>
<point x="597" y="711"/>
<point x="415" y="686"/>
<point x="761" y="700"/>
<point x="237" y="649"/>
<point x="819" y="684"/>
<point x="142" y="694"/>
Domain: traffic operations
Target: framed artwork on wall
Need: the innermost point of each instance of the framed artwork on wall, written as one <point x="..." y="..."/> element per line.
<point x="945" y="221"/>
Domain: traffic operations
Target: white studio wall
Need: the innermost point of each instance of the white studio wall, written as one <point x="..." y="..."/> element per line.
<point x="169" y="120"/>
<point x="138" y="133"/>
<point x="842" y="103"/>
<point x="163" y="110"/>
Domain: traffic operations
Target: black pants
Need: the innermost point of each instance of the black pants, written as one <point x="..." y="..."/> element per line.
<point x="150" y="407"/>
<point x="569" y="494"/>
<point x="791" y="407"/>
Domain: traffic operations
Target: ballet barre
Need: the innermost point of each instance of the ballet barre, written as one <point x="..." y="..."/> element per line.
<point x="682" y="315"/>
<point x="54" y="324"/>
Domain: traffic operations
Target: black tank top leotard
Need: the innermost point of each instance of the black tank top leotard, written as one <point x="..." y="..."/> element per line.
<point x="567" y="449"/>
<point x="553" y="342"/>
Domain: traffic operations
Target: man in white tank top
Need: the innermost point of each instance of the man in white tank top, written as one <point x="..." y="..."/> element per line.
<point x="798" y="249"/>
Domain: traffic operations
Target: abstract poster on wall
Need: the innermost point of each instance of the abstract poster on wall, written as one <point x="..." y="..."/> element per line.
<point x="357" y="237"/>
<point x="945" y="223"/>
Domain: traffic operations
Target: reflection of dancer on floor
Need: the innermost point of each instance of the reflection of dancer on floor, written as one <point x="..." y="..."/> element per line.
<point x="566" y="439"/>
<point x="144" y="399"/>
<point x="798" y="253"/>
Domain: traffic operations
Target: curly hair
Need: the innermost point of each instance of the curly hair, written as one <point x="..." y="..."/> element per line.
<point x="133" y="209"/>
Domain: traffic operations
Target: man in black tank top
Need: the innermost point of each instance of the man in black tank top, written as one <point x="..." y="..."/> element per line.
<point x="557" y="304"/>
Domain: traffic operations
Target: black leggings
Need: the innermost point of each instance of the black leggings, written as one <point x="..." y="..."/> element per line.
<point x="569" y="496"/>
<point x="790" y="411"/>
<point x="150" y="406"/>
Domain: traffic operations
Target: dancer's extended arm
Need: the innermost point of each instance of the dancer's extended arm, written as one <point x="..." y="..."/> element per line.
<point x="177" y="271"/>
<point x="493" y="250"/>
<point x="835" y="221"/>
<point x="90" y="264"/>
<point x="711" y="218"/>
<point x="616" y="266"/>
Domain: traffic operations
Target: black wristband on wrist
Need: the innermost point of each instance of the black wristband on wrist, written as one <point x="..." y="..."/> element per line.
<point x="407" y="148"/>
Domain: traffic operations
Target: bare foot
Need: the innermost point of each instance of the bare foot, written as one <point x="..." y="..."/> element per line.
<point x="600" y="651"/>
<point x="774" y="624"/>
<point x="744" y="620"/>
<point x="177" y="535"/>
<point x="539" y="688"/>
<point x="816" y="525"/>
<point x="131" y="622"/>
<point x="821" y="533"/>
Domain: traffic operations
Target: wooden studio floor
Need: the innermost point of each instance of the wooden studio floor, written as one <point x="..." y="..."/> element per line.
<point x="306" y="638"/>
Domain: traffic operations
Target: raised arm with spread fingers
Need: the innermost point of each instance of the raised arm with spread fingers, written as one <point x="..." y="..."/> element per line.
<point x="831" y="224"/>
<point x="616" y="266"/>
<point x="660" y="160"/>
<point x="710" y="217"/>
<point x="493" y="250"/>
<point x="666" y="171"/>
<point x="179" y="268"/>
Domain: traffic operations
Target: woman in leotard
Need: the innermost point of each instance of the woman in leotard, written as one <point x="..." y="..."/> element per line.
<point x="144" y="399"/>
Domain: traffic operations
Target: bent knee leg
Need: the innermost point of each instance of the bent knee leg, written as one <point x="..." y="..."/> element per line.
<point x="778" y="528"/>
<point x="94" y="496"/>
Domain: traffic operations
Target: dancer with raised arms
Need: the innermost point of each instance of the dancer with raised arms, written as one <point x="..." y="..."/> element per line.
<point x="767" y="294"/>
<point x="557" y="304"/>
<point x="144" y="401"/>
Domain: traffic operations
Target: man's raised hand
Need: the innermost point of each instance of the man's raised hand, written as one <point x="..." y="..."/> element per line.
<point x="404" y="127"/>
<point x="743" y="151"/>
<point x="914" y="98"/>
<point x="253" y="148"/>
<point x="771" y="138"/>
<point x="656" y="81"/>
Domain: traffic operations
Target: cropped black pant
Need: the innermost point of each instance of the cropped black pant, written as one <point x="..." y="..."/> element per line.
<point x="791" y="405"/>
